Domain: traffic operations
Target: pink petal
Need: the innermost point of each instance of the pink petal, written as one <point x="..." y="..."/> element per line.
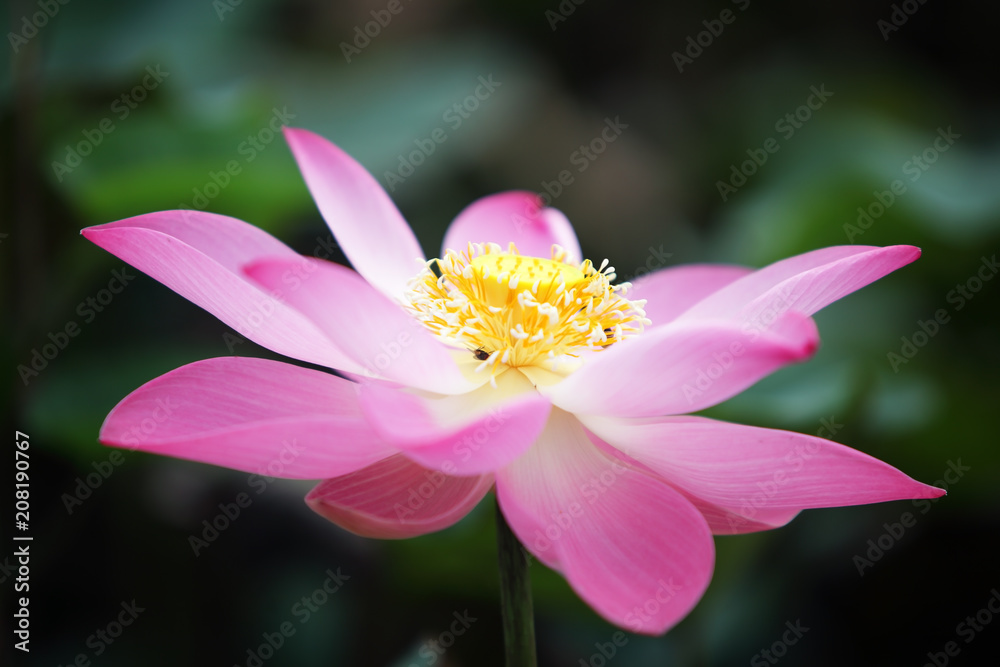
<point x="513" y="216"/>
<point x="757" y="474"/>
<point x="382" y="339"/>
<point x="805" y="283"/>
<point x="722" y="521"/>
<point x="254" y="415"/>
<point x="632" y="547"/>
<point x="683" y="367"/>
<point x="470" y="434"/>
<point x="199" y="255"/>
<point x="396" y="498"/>
<point x="669" y="292"/>
<point x="365" y="222"/>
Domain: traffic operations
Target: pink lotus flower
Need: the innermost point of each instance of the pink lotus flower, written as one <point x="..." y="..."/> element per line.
<point x="525" y="370"/>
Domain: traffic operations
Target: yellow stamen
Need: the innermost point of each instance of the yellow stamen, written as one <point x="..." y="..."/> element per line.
<point x="522" y="311"/>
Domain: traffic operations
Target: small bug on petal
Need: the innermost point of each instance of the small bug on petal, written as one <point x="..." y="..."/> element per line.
<point x="481" y="354"/>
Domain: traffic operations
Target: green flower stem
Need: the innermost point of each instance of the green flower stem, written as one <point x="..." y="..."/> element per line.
<point x="515" y="598"/>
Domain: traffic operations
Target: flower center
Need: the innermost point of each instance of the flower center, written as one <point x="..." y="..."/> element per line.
<point x="510" y="310"/>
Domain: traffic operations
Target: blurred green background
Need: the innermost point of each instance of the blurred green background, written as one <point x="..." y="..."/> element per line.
<point x="162" y="96"/>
